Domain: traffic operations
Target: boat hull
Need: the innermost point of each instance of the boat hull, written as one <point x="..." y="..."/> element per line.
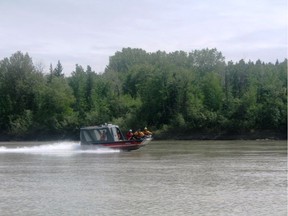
<point x="125" y="145"/>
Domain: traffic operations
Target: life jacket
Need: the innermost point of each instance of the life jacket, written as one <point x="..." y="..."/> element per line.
<point x="146" y="132"/>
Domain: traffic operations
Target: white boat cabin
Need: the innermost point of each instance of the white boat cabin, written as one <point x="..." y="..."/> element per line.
<point x="101" y="134"/>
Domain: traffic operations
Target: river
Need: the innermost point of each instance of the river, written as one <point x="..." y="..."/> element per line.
<point x="163" y="178"/>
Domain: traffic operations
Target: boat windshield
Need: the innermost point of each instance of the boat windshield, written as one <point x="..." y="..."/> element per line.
<point x="96" y="135"/>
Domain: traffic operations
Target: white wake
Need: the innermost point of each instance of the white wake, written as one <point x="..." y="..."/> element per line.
<point x="59" y="148"/>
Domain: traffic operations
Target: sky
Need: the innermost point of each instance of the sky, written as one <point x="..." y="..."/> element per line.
<point x="88" y="32"/>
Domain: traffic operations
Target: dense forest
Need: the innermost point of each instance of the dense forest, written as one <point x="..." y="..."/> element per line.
<point x="171" y="93"/>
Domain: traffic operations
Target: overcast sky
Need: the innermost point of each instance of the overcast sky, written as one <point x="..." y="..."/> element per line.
<point x="87" y="32"/>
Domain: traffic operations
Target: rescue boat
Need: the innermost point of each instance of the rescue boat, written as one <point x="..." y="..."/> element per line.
<point x="109" y="136"/>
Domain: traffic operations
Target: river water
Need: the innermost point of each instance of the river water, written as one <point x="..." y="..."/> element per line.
<point x="163" y="178"/>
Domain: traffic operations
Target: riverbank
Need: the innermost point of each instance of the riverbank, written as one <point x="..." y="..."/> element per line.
<point x="158" y="135"/>
<point x="223" y="135"/>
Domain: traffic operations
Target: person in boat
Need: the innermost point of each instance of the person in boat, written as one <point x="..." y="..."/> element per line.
<point x="119" y="135"/>
<point x="147" y="132"/>
<point x="129" y="135"/>
<point x="139" y="134"/>
<point x="103" y="136"/>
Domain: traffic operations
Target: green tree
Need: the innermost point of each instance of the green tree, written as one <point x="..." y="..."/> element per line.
<point x="206" y="60"/>
<point x="272" y="97"/>
<point x="78" y="82"/>
<point x="128" y="57"/>
<point x="58" y="71"/>
<point x="55" y="111"/>
<point x="213" y="92"/>
<point x="18" y="98"/>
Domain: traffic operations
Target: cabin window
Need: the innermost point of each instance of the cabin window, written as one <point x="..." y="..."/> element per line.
<point x="114" y="133"/>
<point x="117" y="135"/>
<point x="103" y="135"/>
<point x="90" y="135"/>
<point x="86" y="136"/>
<point x="99" y="135"/>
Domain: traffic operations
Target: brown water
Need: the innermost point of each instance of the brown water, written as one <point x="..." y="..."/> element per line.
<point x="163" y="178"/>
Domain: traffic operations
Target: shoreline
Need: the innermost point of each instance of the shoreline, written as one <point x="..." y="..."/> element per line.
<point x="246" y="135"/>
<point x="185" y="135"/>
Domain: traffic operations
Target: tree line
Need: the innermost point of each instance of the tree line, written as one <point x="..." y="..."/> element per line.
<point x="177" y="91"/>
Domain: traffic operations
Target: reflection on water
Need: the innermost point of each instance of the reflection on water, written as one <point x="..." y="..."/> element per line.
<point x="163" y="178"/>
